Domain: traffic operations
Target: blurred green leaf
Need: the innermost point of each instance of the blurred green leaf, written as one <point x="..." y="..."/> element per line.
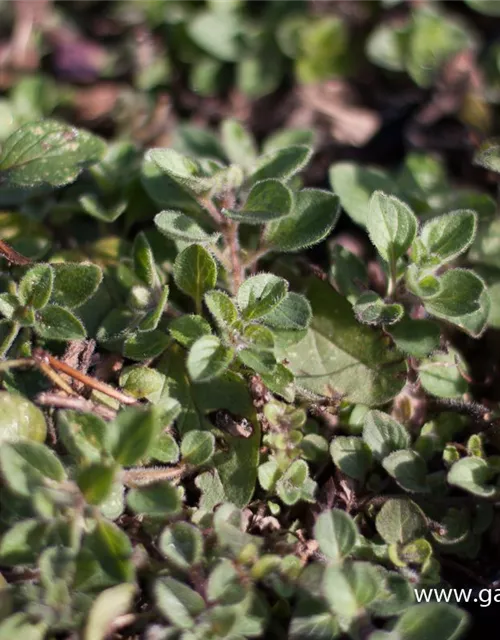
<point x="48" y="152"/>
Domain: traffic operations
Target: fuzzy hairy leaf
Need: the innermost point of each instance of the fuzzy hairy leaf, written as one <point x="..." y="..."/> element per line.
<point x="369" y="308"/>
<point x="268" y="200"/>
<point x="400" y="520"/>
<point x="392" y="226"/>
<point x="383" y="434"/>
<point x="448" y="236"/>
<point x="260" y="294"/>
<point x="195" y="271"/>
<point x="208" y="358"/>
<point x="432" y="621"/>
<point x="48" y="152"/>
<point x="58" y="323"/>
<point x="35" y="287"/>
<point x="179" y="226"/>
<point x="74" y="283"/>
<point x="313" y="216"/>
<point x="459" y="295"/>
<point x="281" y="163"/>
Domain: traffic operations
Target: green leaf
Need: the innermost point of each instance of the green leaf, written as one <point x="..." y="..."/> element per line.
<point x="22" y="625"/>
<point x="448" y="37"/>
<point x="83" y="434"/>
<point x="349" y="273"/>
<point x="146" y="345"/>
<point x="152" y="318"/>
<point x="57" y="323"/>
<point x="459" y="294"/>
<point x="131" y="434"/>
<point x="295" y="484"/>
<point x="281" y="163"/>
<point x="197" y="447"/>
<point x="224" y="585"/>
<point x="195" y="271"/>
<point x="112" y="549"/>
<point x="208" y="358"/>
<point x="441" y="374"/>
<point x="354" y="186"/>
<point x="409" y="470"/>
<point x="21" y="419"/>
<point x="431" y="621"/>
<point x="164" y="190"/>
<point x="142" y="382"/>
<point x="26" y="464"/>
<point x="383" y="434"/>
<point x="338" y="355"/>
<point x="184" y="171"/>
<point x="8" y="334"/>
<point x="238" y="467"/>
<point x="336" y="534"/>
<point x="178" y="226"/>
<point x="188" y="328"/>
<point x="418" y="338"/>
<point x="488" y="155"/>
<point x="48" y="152"/>
<point x="23" y="542"/>
<point x="35" y="286"/>
<point x="260" y="294"/>
<point x="74" y="284"/>
<point x="448" y="236"/>
<point x="473" y="475"/>
<point x="238" y="144"/>
<point x="182" y="545"/>
<point x="95" y="482"/>
<point x="400" y="520"/>
<point x="369" y="308"/>
<point x="313" y="216"/>
<point x="288" y="137"/>
<point x="221" y="307"/>
<point x="292" y="313"/>
<point x="391" y="225"/>
<point x="177" y="602"/>
<point x="219" y="33"/>
<point x="155" y="500"/>
<point x="352" y="456"/>
<point x="8" y="305"/>
<point x="268" y="200"/>
<point x="144" y="262"/>
<point x="476" y="322"/>
<point x="107" y="607"/>
<point x="349" y="589"/>
<point x="165" y="449"/>
<point x="261" y="361"/>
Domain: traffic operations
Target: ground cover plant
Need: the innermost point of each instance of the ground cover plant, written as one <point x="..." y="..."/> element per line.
<point x="248" y="363"/>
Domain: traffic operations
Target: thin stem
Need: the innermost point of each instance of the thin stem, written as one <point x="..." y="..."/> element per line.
<point x="213" y="211"/>
<point x="15" y="364"/>
<point x="54" y="377"/>
<point x="393" y="278"/>
<point x="237" y="269"/>
<point x="77" y="403"/>
<point x="255" y="257"/>
<point x="141" y="476"/>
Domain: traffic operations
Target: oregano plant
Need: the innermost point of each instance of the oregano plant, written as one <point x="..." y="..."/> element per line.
<point x="205" y="433"/>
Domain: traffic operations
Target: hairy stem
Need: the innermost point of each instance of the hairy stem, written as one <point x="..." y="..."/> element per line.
<point x="237" y="268"/>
